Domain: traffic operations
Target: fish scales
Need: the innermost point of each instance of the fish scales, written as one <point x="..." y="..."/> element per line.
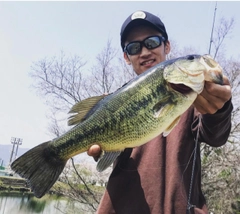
<point x="124" y="113"/>
<point x="147" y="106"/>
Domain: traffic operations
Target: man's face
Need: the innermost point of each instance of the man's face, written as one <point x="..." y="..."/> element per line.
<point x="146" y="58"/>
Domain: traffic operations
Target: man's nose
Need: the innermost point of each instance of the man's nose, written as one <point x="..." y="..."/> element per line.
<point x="145" y="51"/>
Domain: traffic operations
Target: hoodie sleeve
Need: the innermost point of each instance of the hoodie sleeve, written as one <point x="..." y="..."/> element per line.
<point x="214" y="129"/>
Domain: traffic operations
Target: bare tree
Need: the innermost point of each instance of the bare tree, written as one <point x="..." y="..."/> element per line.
<point x="108" y="74"/>
<point x="221" y="178"/>
<point x="176" y="51"/>
<point x="124" y="72"/>
<point x="102" y="78"/>
<point x="80" y="189"/>
<point x="223" y="30"/>
<point x="232" y="70"/>
<point x="58" y="80"/>
<point x="220" y="166"/>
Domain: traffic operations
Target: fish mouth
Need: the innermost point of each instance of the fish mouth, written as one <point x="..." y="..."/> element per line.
<point x="181" y="88"/>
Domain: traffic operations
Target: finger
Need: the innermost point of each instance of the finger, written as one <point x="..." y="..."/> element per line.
<point x="209" y="105"/>
<point x="213" y="97"/>
<point x="226" y="80"/>
<point x="213" y="92"/>
<point x="200" y="104"/>
<point x="200" y="109"/>
<point x="211" y="102"/>
<point x="94" y="151"/>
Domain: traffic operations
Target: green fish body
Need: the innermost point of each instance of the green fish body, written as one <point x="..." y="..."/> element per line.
<point x="147" y="106"/>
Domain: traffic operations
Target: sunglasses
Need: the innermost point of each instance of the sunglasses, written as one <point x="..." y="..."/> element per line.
<point x="150" y="42"/>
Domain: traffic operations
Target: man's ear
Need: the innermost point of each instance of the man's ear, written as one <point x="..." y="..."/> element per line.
<point x="126" y="58"/>
<point x="167" y="47"/>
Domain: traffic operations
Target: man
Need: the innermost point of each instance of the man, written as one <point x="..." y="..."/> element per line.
<point x="157" y="177"/>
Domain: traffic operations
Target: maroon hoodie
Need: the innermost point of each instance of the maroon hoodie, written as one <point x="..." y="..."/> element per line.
<point x="155" y="178"/>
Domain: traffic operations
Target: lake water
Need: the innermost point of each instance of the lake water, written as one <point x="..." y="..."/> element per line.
<point x="24" y="204"/>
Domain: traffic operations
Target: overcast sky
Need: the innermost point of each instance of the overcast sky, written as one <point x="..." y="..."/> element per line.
<point x="30" y="31"/>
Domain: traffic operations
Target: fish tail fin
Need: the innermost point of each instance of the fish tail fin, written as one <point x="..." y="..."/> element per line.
<point x="41" y="167"/>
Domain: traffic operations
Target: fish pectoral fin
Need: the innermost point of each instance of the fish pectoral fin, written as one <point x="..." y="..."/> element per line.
<point x="82" y="108"/>
<point x="107" y="159"/>
<point x="162" y="106"/>
<point x="161" y="109"/>
<point x="171" y="127"/>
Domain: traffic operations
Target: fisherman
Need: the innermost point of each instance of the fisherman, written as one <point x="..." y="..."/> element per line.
<point x="163" y="176"/>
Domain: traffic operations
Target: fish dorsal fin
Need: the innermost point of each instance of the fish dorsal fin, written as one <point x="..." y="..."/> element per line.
<point x="82" y="108"/>
<point x="107" y="159"/>
<point x="171" y="127"/>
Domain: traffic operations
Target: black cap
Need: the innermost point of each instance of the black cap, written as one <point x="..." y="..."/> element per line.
<point x="141" y="17"/>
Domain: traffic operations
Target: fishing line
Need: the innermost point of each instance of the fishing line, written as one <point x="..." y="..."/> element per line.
<point x="187" y="165"/>
<point x="189" y="205"/>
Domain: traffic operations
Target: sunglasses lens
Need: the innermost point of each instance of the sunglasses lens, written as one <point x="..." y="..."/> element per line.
<point x="133" y="48"/>
<point x="152" y="42"/>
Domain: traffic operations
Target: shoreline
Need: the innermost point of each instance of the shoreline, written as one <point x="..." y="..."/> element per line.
<point x="13" y="184"/>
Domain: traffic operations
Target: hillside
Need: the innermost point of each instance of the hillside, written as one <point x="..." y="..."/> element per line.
<point x="5" y="153"/>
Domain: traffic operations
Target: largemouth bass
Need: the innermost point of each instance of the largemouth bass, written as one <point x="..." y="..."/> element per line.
<point x="145" y="107"/>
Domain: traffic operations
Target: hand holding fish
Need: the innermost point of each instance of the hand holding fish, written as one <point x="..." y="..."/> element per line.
<point x="213" y="97"/>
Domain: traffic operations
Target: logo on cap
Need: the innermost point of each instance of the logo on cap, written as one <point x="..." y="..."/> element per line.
<point x="138" y="15"/>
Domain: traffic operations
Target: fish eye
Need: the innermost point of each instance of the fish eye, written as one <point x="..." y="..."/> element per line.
<point x="190" y="57"/>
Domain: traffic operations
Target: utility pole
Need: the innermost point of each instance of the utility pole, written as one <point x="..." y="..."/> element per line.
<point x="18" y="144"/>
<point x="211" y="38"/>
<point x="15" y="141"/>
